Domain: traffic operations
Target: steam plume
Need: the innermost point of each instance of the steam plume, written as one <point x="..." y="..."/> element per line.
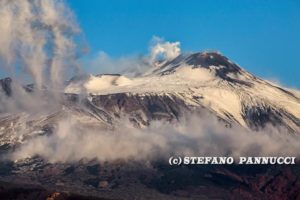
<point x="163" y="50"/>
<point x="159" y="51"/>
<point x="37" y="38"/>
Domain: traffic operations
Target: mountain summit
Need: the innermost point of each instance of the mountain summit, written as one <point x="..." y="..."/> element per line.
<point x="202" y="59"/>
<point x="206" y="80"/>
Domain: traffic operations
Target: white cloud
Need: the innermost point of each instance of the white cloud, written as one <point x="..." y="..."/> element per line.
<point x="193" y="136"/>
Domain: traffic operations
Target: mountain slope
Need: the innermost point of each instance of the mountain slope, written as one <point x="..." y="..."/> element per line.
<point x="197" y="83"/>
<point x="194" y="82"/>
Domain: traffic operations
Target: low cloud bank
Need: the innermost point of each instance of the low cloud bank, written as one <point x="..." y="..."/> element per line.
<point x="193" y="136"/>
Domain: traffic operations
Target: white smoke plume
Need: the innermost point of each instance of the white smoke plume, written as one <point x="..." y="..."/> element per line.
<point x="129" y="65"/>
<point x="37" y="38"/>
<point x="159" y="51"/>
<point x="162" y="50"/>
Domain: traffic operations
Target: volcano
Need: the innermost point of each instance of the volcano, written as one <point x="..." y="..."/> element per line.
<point x="196" y="83"/>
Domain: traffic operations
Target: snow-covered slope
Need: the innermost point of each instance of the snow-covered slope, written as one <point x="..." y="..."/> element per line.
<point x="202" y="80"/>
<point x="96" y="84"/>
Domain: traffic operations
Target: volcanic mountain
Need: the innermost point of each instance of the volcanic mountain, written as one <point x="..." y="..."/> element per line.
<point x="206" y="81"/>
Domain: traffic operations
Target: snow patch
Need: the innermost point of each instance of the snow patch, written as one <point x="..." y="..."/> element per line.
<point x="96" y="84"/>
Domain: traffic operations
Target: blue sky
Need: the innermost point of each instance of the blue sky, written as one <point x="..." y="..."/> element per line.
<point x="263" y="36"/>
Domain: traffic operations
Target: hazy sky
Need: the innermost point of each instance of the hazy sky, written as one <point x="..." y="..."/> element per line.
<point x="263" y="36"/>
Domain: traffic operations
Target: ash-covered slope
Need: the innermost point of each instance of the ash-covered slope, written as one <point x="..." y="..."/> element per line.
<point x="193" y="83"/>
